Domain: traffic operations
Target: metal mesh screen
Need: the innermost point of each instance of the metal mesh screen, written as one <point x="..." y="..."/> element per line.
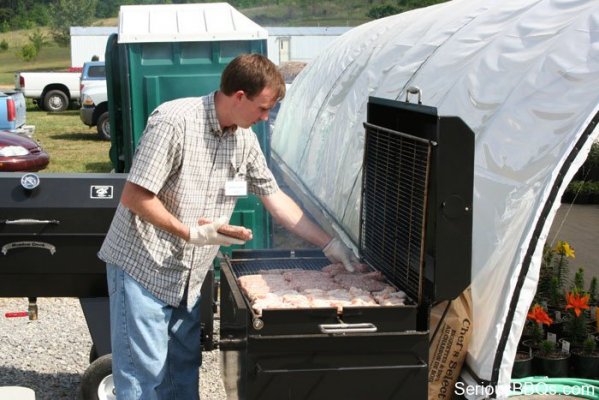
<point x="249" y="267"/>
<point x="394" y="199"/>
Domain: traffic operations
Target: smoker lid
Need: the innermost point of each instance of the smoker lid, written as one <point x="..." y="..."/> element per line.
<point x="57" y="203"/>
<point x="416" y="208"/>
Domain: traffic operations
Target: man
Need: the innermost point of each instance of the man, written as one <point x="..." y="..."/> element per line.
<point x="197" y="155"/>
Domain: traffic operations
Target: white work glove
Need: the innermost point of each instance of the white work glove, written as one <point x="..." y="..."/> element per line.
<point x="336" y="252"/>
<point x="207" y="234"/>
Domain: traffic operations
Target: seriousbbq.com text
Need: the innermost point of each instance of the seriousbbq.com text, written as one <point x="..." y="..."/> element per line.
<point x="537" y="388"/>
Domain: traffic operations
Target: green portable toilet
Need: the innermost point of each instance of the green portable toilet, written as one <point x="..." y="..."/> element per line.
<point x="164" y="52"/>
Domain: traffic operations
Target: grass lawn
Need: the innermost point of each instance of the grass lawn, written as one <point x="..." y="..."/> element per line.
<point x="50" y="57"/>
<point x="72" y="146"/>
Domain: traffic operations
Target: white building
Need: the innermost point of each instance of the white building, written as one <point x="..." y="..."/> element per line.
<point x="87" y="42"/>
<point x="284" y="43"/>
<point x="300" y="43"/>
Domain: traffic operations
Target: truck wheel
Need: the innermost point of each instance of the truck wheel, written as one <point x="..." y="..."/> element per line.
<point x="55" y="101"/>
<point x="103" y="126"/>
<point x="96" y="382"/>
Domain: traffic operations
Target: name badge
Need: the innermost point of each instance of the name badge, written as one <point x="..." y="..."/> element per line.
<point x="236" y="188"/>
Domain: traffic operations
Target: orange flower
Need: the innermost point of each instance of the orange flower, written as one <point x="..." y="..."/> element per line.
<point x="539" y="315"/>
<point x="577" y="302"/>
<point x="564" y="249"/>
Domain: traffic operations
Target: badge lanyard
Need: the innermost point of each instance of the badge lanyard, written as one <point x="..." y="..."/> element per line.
<point x="238" y="186"/>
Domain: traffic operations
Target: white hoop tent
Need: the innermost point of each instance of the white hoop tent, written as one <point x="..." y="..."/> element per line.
<point x="524" y="76"/>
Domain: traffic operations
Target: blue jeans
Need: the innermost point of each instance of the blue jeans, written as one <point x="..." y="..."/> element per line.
<point x="156" y="352"/>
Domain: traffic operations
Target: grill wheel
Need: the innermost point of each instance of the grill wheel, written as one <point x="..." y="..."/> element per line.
<point x="96" y="382"/>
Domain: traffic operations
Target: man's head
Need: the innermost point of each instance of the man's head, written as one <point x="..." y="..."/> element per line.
<point x="253" y="85"/>
<point x="252" y="73"/>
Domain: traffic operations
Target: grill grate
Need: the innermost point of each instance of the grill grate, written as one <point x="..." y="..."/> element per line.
<point x="394" y="199"/>
<point x="250" y="267"/>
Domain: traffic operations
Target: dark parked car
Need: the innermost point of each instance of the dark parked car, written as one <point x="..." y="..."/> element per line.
<point x="19" y="153"/>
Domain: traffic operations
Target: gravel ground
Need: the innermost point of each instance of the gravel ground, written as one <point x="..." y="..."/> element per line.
<point x="50" y="354"/>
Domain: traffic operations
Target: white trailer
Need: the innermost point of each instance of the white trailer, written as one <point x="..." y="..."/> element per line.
<point x="87" y="42"/>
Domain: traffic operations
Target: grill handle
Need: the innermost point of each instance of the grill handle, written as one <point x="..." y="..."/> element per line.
<point x="419" y="364"/>
<point x="347" y="328"/>
<point x="28" y="221"/>
<point x="414" y="90"/>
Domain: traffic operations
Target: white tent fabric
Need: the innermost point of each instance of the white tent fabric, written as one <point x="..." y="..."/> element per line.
<point x="524" y="76"/>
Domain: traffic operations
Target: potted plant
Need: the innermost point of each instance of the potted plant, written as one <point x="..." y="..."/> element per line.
<point x="551" y="361"/>
<point x="554" y="275"/>
<point x="537" y="316"/>
<point x="585" y="362"/>
<point x="522" y="365"/>
<point x="593" y="291"/>
<point x="594" y="311"/>
<point x="576" y="324"/>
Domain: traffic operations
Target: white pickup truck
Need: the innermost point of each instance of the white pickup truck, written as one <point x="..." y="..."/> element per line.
<point x="54" y="91"/>
<point x="51" y="91"/>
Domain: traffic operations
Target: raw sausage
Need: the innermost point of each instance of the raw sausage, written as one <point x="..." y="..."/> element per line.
<point x="238" y="232"/>
<point x="235" y="231"/>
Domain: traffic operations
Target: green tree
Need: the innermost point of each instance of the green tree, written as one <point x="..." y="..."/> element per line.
<point x="593" y="157"/>
<point x="40" y="14"/>
<point x="5" y="16"/>
<point x="38" y="40"/>
<point x="28" y="52"/>
<point x="67" y="13"/>
<point x="108" y="8"/>
<point x="21" y="18"/>
<point x="386" y="9"/>
<point x="382" y="10"/>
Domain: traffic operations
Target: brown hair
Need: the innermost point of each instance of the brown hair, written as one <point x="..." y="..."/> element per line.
<point x="252" y="73"/>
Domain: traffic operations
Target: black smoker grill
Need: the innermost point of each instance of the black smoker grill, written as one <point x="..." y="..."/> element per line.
<point x="416" y="225"/>
<point x="50" y="234"/>
<point x="51" y="229"/>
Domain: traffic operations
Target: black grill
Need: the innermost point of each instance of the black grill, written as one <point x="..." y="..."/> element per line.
<point x="50" y="234"/>
<point x="416" y="222"/>
<point x="284" y="353"/>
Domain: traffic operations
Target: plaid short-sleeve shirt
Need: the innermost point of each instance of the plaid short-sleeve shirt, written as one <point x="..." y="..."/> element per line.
<point x="185" y="159"/>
